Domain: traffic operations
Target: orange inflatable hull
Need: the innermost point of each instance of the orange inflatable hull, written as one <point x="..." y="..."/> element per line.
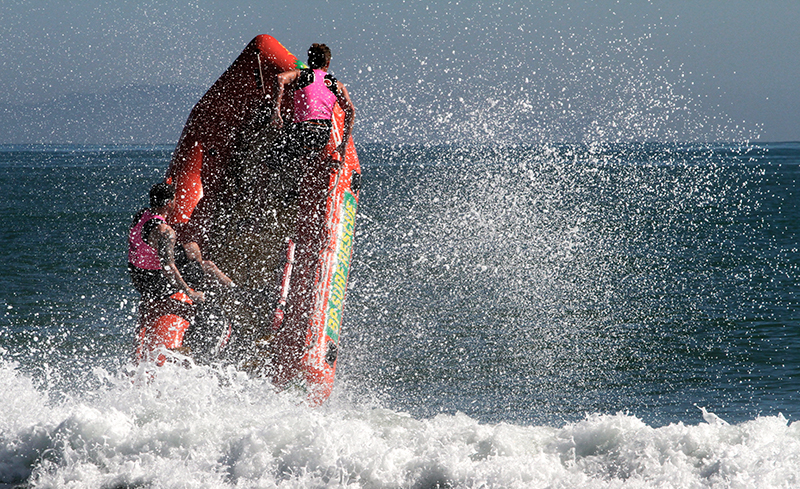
<point x="250" y="209"/>
<point x="163" y="325"/>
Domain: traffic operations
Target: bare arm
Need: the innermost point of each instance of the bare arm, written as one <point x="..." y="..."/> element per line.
<point x="164" y="237"/>
<point x="287" y="78"/>
<point x="343" y="99"/>
<point x="209" y="267"/>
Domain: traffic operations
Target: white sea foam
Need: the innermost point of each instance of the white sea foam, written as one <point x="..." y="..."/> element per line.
<point x="202" y="427"/>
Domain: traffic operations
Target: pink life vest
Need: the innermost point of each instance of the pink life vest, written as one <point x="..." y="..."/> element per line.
<point x="314" y="101"/>
<point x="141" y="254"/>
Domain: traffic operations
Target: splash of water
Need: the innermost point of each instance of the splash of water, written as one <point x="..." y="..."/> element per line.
<point x="206" y="427"/>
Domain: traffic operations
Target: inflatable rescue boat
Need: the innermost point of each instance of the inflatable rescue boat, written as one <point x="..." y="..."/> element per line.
<point x="283" y="233"/>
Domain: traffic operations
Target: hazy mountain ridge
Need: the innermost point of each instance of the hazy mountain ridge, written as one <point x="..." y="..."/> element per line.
<point x="132" y="114"/>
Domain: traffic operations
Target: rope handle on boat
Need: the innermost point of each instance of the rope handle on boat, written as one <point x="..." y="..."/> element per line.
<point x="261" y="74"/>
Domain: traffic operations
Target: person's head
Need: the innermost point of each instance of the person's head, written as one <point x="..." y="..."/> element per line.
<point x="161" y="194"/>
<point x="319" y="56"/>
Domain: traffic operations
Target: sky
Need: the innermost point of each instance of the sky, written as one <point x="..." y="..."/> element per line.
<point x="458" y="71"/>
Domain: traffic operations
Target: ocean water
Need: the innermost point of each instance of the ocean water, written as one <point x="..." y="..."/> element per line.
<point x="554" y="316"/>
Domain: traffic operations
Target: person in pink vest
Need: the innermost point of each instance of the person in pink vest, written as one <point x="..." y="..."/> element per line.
<point x="151" y="250"/>
<point x="315" y="94"/>
<point x="164" y="272"/>
<point x="158" y="268"/>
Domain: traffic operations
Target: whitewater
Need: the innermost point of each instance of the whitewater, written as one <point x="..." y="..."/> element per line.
<point x="206" y="427"/>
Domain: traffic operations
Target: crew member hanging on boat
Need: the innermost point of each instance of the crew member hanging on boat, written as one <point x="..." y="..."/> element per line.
<point x="315" y="94"/>
<point x="164" y="274"/>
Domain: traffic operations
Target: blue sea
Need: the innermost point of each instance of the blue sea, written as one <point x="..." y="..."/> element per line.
<point x="544" y="316"/>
